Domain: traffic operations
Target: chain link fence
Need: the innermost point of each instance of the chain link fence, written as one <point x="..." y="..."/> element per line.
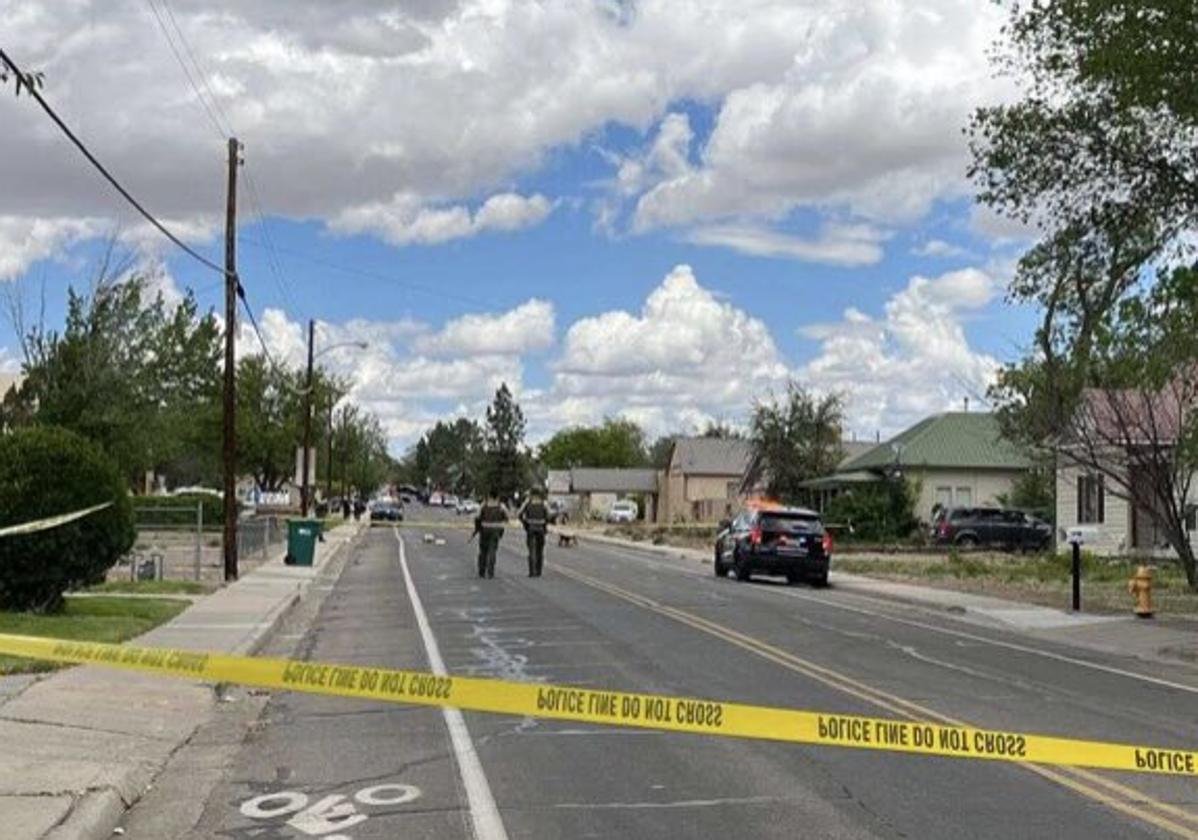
<point x="175" y="543"/>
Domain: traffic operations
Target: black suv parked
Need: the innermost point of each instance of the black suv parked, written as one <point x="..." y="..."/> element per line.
<point x="774" y="541"/>
<point x="1013" y="530"/>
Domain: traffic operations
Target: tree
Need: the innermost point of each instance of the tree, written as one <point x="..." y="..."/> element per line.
<point x="796" y="439"/>
<point x="1034" y="491"/>
<point x="723" y="431"/>
<point x="45" y="472"/>
<point x="881" y="511"/>
<point x="138" y="378"/>
<point x="1099" y="154"/>
<point x="31" y="81"/>
<point x="616" y="443"/>
<point x="505" y="468"/>
<point x="449" y="457"/>
<point x="660" y="451"/>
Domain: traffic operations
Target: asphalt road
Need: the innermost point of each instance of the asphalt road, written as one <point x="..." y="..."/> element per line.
<point x="615" y="618"/>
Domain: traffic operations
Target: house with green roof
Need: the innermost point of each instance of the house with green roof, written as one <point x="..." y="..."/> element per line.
<point x="956" y="459"/>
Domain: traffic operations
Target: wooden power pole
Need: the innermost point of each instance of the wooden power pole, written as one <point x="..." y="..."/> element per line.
<point x="305" y="490"/>
<point x="230" y="395"/>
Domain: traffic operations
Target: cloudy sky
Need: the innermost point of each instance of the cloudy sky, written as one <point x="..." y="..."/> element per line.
<point x="660" y="209"/>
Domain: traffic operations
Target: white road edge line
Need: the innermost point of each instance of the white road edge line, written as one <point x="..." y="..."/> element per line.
<point x="961" y="634"/>
<point x="485" y="820"/>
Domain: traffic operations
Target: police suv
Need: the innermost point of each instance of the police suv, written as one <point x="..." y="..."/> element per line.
<point x="774" y="540"/>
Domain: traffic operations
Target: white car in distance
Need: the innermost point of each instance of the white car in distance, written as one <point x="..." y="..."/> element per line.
<point x="622" y="512"/>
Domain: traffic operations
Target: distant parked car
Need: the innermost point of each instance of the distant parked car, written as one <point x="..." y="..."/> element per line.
<point x="449" y="501"/>
<point x="386" y="512"/>
<point x="623" y="511"/>
<point x="466" y="506"/>
<point x="1012" y="530"/>
<point x="788" y="541"/>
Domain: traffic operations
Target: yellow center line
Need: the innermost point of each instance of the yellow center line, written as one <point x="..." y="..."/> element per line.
<point x="1079" y="781"/>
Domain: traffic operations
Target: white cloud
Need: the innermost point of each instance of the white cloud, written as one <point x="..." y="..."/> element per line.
<point x="939" y="249"/>
<point x="9" y="363"/>
<point x="913" y="361"/>
<point x="684" y="359"/>
<point x="837" y="244"/>
<point x="999" y="229"/>
<point x="685" y="350"/>
<point x="406" y="220"/>
<point x="25" y="240"/>
<point x="420" y="110"/>
<point x="527" y="328"/>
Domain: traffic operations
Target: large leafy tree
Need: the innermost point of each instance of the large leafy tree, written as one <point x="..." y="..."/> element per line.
<point x="506" y="462"/>
<point x="615" y="443"/>
<point x="449" y="457"/>
<point x="135" y="376"/>
<point x="270" y="417"/>
<point x="1100" y="154"/>
<point x="796" y="438"/>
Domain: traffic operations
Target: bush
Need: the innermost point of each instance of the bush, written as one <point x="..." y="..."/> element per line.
<point x="158" y="510"/>
<point x="882" y="511"/>
<point x="44" y="472"/>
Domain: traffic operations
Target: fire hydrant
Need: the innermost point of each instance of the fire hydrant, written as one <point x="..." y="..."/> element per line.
<point x="1140" y="586"/>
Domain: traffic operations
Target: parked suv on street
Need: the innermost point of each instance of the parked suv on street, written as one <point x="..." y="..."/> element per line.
<point x="1012" y="530"/>
<point x="788" y="541"/>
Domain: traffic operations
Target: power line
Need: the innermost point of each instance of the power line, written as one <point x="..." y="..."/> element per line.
<point x="223" y="125"/>
<point x="377" y="275"/>
<point x="201" y="70"/>
<point x="249" y="311"/>
<point x="149" y="217"/>
<point x="220" y="129"/>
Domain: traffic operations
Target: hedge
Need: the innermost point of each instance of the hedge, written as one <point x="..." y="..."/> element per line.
<point x="45" y="472"/>
<point x="214" y="510"/>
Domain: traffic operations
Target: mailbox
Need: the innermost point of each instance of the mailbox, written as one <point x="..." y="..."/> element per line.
<point x="1081" y="535"/>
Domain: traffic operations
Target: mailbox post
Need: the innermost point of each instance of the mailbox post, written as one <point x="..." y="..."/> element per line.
<point x="1077" y="538"/>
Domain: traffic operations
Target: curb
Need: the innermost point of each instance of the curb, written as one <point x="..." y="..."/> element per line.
<point x="96" y="813"/>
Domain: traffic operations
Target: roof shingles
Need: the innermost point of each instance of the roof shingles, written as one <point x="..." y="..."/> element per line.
<point x="951" y="440"/>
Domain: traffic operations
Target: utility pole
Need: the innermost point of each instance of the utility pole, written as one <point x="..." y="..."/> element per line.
<point x="230" y="419"/>
<point x="328" y="479"/>
<point x="304" y="489"/>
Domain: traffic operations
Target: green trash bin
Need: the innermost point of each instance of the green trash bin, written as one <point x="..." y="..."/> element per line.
<point x="302" y="535"/>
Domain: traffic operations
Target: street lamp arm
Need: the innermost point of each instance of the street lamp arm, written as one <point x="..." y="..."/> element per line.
<point x="361" y="345"/>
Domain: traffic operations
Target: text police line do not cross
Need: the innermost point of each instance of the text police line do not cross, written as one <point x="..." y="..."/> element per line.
<point x="615" y="708"/>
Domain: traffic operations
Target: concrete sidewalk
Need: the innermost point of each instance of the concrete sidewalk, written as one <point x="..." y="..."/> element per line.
<point x="1172" y="640"/>
<point x="81" y="745"/>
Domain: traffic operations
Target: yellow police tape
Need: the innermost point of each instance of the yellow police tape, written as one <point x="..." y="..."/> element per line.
<point x="616" y="708"/>
<point x="50" y="522"/>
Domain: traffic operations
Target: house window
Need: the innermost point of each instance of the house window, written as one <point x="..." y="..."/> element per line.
<point x="964" y="496"/>
<point x="944" y="497"/>
<point x="1091" y="500"/>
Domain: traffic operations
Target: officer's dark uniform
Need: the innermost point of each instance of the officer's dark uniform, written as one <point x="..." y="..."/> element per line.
<point x="535" y="517"/>
<point x="489" y="526"/>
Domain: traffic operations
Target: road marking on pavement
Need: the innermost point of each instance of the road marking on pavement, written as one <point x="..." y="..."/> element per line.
<point x="484" y="813"/>
<point x="1079" y="780"/>
<point x="906" y="734"/>
<point x="331" y="813"/>
<point x="634" y="555"/>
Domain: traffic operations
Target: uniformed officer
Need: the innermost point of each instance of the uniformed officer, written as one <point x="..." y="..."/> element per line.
<point x="535" y="518"/>
<point x="488" y="524"/>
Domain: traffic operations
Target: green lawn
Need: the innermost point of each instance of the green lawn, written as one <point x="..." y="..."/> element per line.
<point x="153" y="587"/>
<point x="92" y="619"/>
